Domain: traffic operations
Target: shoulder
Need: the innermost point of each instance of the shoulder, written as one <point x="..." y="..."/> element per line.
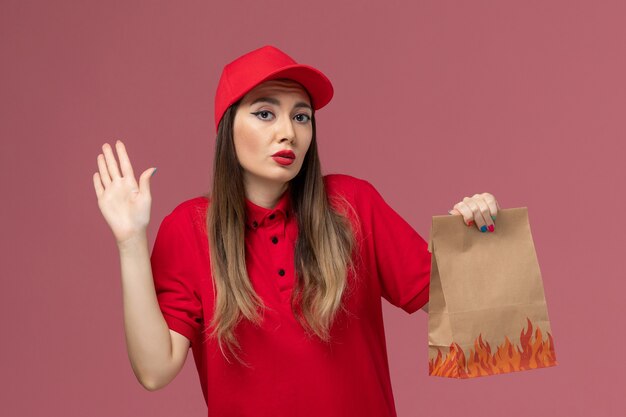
<point x="351" y="195"/>
<point x="190" y="212"/>
<point x="191" y="205"/>
<point x="357" y="190"/>
<point x="345" y="184"/>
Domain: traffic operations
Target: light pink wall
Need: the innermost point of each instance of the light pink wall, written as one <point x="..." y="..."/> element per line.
<point x="434" y="101"/>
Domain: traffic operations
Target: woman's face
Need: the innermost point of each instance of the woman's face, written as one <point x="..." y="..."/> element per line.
<point x="274" y="116"/>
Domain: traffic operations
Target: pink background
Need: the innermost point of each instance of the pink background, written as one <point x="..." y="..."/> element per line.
<point x="434" y="101"/>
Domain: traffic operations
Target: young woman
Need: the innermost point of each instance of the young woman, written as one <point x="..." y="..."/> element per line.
<point x="275" y="278"/>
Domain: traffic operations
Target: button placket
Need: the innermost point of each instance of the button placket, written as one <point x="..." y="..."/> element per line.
<point x="275" y="229"/>
<point x="273" y="236"/>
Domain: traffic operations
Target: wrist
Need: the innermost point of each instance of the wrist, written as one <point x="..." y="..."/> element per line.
<point x="131" y="243"/>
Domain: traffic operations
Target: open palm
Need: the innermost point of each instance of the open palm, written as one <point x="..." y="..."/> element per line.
<point x="124" y="203"/>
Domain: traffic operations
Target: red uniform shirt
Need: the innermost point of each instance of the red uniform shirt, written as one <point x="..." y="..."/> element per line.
<point x="294" y="375"/>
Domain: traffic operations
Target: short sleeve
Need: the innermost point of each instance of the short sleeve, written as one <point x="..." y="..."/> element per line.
<point x="175" y="279"/>
<point x="402" y="258"/>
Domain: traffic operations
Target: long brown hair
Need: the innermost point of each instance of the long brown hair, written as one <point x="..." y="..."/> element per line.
<point x="323" y="251"/>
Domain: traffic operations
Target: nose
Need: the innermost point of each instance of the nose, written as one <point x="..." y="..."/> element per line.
<point x="284" y="128"/>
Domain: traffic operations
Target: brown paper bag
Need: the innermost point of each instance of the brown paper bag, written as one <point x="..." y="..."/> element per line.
<point x="487" y="310"/>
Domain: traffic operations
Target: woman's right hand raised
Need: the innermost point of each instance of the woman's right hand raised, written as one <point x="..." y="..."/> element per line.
<point x="124" y="204"/>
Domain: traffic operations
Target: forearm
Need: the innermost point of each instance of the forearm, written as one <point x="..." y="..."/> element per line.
<point x="148" y="339"/>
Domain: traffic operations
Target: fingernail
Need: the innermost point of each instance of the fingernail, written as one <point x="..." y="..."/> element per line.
<point x="449" y="211"/>
<point x="483" y="228"/>
<point x="471" y="222"/>
<point x="491" y="228"/>
<point x="155" y="169"/>
<point x="493" y="218"/>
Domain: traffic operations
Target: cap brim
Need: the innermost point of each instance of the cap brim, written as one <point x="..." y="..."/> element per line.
<point x="317" y="84"/>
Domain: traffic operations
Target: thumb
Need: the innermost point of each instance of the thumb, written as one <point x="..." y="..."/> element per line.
<point x="144" y="180"/>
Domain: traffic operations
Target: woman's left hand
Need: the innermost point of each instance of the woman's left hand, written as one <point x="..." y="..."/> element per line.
<point x="480" y="209"/>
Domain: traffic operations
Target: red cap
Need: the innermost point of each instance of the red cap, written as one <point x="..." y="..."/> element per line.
<point x="263" y="64"/>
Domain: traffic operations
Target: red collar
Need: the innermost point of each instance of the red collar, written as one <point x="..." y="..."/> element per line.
<point x="257" y="216"/>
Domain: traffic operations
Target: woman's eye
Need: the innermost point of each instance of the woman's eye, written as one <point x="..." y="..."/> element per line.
<point x="263" y="114"/>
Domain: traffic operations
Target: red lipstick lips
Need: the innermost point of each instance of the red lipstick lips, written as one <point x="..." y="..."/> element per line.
<point x="286" y="154"/>
<point x="284" y="157"/>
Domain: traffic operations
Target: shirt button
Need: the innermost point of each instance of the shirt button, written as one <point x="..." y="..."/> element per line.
<point x="254" y="224"/>
<point x="272" y="216"/>
<point x="274" y="240"/>
<point x="281" y="272"/>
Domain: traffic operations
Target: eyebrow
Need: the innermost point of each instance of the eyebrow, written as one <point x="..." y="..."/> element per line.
<point x="274" y="101"/>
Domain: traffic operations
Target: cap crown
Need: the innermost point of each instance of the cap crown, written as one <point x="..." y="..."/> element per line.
<point x="262" y="64"/>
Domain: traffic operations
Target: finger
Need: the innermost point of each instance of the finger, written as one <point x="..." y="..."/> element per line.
<point x="97" y="184"/>
<point x="104" y="172"/>
<point x="466" y="212"/>
<point x="127" y="169"/>
<point x="144" y="181"/>
<point x="492" y="204"/>
<point x="485" y="214"/>
<point x="476" y="213"/>
<point x="110" y="160"/>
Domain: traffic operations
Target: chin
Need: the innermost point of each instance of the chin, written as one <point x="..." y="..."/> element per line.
<point x="282" y="177"/>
